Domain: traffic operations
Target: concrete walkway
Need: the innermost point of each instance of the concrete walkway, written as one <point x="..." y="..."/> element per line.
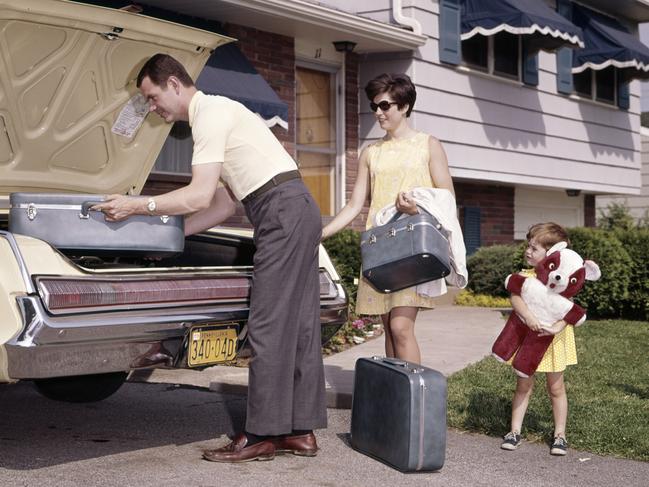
<point x="450" y="338"/>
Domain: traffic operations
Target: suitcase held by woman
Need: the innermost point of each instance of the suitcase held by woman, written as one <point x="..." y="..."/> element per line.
<point x="399" y="414"/>
<point x="405" y="252"/>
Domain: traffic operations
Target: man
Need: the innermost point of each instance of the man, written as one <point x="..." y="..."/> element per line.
<point x="286" y="396"/>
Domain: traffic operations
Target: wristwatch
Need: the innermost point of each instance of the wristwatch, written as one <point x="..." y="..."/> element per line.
<point x="151" y="206"/>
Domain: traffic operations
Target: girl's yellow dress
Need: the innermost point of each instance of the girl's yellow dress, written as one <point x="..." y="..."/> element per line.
<point x="562" y="351"/>
<point x="394" y="165"/>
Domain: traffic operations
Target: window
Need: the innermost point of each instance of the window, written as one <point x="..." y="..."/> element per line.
<point x="499" y="54"/>
<point x="176" y="154"/>
<point x="597" y="85"/>
<point x="317" y="146"/>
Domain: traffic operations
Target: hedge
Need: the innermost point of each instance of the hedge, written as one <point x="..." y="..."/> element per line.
<point x="489" y="266"/>
<point x="636" y="243"/>
<point x="604" y="297"/>
<point x="623" y="289"/>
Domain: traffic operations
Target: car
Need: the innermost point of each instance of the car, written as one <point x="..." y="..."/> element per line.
<point x="77" y="322"/>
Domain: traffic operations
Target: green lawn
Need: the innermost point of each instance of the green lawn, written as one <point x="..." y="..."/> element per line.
<point x="608" y="394"/>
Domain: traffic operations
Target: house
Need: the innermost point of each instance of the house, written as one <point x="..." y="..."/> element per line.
<point x="535" y="101"/>
<point x="638" y="204"/>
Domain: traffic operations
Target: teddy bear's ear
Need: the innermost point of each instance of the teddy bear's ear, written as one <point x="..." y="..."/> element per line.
<point x="592" y="270"/>
<point x="556" y="247"/>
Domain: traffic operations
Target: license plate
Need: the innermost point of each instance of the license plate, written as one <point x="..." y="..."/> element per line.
<point x="209" y="345"/>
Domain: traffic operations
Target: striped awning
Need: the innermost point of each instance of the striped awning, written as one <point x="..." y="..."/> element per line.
<point x="229" y="73"/>
<point x="546" y="29"/>
<point x="608" y="43"/>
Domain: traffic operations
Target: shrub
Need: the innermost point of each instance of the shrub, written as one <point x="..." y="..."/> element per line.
<point x="468" y="298"/>
<point x="345" y="252"/>
<point x="489" y="266"/>
<point x="606" y="296"/>
<point x="615" y="216"/>
<point x="636" y="243"/>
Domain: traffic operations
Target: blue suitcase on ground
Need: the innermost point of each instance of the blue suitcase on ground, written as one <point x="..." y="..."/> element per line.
<point x="399" y="414"/>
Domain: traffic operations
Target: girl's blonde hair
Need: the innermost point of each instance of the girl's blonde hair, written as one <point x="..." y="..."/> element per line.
<point x="547" y="234"/>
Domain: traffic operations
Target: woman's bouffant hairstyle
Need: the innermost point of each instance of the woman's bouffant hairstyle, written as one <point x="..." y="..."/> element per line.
<point x="160" y="67"/>
<point x="548" y="234"/>
<point x="398" y="86"/>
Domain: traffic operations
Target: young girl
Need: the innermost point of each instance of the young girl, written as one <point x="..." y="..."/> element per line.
<point x="388" y="169"/>
<point x="560" y="353"/>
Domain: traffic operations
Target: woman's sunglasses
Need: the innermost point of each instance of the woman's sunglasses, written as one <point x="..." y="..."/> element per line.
<point x="384" y="105"/>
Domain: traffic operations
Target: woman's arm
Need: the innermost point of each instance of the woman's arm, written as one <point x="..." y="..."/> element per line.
<point x="438" y="165"/>
<point x="355" y="204"/>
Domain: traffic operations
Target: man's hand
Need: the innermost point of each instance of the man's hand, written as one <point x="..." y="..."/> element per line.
<point x="406" y="204"/>
<point x="118" y="207"/>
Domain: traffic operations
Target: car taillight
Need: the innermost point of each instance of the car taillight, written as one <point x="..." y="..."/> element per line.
<point x="64" y="294"/>
<point x="328" y="288"/>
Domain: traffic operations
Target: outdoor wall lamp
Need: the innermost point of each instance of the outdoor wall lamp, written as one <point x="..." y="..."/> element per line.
<point x="344" y="46"/>
<point x="573" y="192"/>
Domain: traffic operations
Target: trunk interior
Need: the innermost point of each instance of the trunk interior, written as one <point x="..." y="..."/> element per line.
<point x="209" y="249"/>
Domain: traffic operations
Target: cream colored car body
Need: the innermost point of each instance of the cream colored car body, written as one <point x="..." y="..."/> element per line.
<point x="66" y="72"/>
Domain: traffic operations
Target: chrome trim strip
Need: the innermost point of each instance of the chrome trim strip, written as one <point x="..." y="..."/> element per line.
<point x="21" y="261"/>
<point x="45" y="206"/>
<point x="128" y="307"/>
<point x="422" y="424"/>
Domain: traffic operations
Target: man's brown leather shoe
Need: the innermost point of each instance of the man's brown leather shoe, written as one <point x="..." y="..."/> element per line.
<point x="237" y="451"/>
<point x="302" y="445"/>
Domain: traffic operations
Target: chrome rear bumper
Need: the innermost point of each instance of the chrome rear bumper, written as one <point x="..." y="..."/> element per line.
<point x="57" y="346"/>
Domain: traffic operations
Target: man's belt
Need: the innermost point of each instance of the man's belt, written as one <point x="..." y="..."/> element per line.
<point x="271" y="183"/>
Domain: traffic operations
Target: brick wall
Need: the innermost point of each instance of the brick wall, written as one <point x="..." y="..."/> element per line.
<point x="496" y="205"/>
<point x="352" y="136"/>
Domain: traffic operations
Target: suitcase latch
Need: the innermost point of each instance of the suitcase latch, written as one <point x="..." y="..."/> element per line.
<point x="31" y="211"/>
<point x="372" y="238"/>
<point x="392" y="232"/>
<point x="164" y="218"/>
<point x="410" y="227"/>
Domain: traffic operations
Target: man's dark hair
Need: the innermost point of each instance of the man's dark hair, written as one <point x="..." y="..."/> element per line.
<point x="398" y="86"/>
<point x="158" y="69"/>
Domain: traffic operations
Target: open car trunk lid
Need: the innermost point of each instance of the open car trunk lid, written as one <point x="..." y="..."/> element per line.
<point x="67" y="72"/>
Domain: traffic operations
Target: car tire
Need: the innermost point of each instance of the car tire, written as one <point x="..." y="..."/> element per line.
<point x="81" y="388"/>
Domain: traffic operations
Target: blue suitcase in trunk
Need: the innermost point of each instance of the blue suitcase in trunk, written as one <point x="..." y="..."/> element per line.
<point x="399" y="414"/>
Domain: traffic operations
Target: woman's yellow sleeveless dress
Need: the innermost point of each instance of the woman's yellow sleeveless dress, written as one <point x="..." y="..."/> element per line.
<point x="394" y="166"/>
<point x="562" y="351"/>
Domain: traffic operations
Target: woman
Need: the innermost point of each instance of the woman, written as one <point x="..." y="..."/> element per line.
<point x="388" y="169"/>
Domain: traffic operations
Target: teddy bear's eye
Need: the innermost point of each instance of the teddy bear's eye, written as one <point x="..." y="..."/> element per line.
<point x="573" y="280"/>
<point x="551" y="266"/>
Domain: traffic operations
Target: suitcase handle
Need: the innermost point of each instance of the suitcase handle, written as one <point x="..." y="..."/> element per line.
<point x="395" y="361"/>
<point x="401" y="363"/>
<point x="85" y="208"/>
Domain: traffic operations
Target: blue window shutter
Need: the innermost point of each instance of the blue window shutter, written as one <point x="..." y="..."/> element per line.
<point x="530" y="65"/>
<point x="450" y="47"/>
<point x="471" y="230"/>
<point x="564" y="55"/>
<point x="623" y="93"/>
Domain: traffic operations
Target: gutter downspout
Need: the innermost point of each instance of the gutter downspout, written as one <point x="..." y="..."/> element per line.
<point x="397" y="13"/>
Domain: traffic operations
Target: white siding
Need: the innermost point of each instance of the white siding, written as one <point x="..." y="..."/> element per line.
<point x="638" y="205"/>
<point x="535" y="206"/>
<point x="501" y="131"/>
